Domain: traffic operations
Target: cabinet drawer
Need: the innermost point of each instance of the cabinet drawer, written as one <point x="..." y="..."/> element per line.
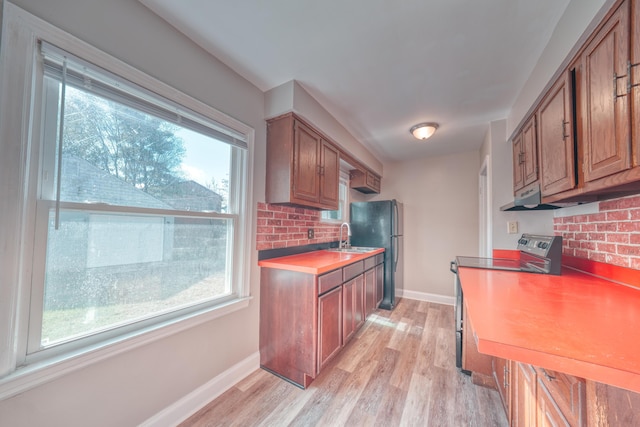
<point x="328" y="281"/>
<point x="379" y="258"/>
<point x="568" y="392"/>
<point x="352" y="270"/>
<point x="369" y="263"/>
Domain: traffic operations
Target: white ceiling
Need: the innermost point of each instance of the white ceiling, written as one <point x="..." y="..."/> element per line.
<point x="381" y="66"/>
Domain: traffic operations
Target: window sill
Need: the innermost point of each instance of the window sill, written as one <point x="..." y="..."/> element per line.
<point x="39" y="373"/>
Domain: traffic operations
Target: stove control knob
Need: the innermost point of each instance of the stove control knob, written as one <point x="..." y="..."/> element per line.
<point x="540" y="245"/>
<point x="523" y="241"/>
<point x="544" y="245"/>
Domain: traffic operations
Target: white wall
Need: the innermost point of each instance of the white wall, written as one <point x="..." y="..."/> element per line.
<point x="440" y="197"/>
<point x="577" y="21"/>
<point x="501" y="181"/>
<point x="131" y="387"/>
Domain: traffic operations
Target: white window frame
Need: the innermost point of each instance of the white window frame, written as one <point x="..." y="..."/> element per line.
<point x="343" y="181"/>
<point x="20" y="117"/>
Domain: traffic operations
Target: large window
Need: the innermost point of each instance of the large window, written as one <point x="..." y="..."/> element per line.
<point x="132" y="207"/>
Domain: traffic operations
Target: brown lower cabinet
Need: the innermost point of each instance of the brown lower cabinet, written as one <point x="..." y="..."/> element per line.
<point x="534" y="396"/>
<point x="306" y="319"/>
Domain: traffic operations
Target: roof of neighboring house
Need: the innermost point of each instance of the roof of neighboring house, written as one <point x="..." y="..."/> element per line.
<point x="83" y="182"/>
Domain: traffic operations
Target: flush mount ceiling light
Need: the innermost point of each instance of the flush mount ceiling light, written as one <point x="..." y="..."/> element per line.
<point x="423" y="131"/>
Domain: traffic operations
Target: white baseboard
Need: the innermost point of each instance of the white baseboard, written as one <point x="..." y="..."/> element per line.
<point x="423" y="296"/>
<point x="198" y="398"/>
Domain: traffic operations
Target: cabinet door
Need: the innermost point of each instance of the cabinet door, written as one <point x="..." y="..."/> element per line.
<point x="556" y="139"/>
<point x="605" y="113"/>
<point x="567" y="394"/>
<point x="530" y="152"/>
<point x="518" y="161"/>
<point x="524" y="396"/>
<point x="379" y="284"/>
<point x="370" y="290"/>
<point x="306" y="163"/>
<point x="548" y="412"/>
<point x="359" y="314"/>
<point x="501" y="371"/>
<point x="329" y="175"/>
<point x="348" y="309"/>
<point x="635" y="81"/>
<point x="329" y="326"/>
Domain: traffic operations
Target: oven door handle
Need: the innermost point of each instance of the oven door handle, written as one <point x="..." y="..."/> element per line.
<point x="451" y="267"/>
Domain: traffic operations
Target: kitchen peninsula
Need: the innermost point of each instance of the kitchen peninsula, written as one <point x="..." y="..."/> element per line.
<point x="576" y="324"/>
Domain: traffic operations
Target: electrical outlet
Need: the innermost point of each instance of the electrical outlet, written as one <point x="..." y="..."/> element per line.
<point x="310" y="233"/>
<point x="512" y="227"/>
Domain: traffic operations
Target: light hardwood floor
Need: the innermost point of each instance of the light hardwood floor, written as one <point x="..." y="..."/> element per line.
<point x="398" y="370"/>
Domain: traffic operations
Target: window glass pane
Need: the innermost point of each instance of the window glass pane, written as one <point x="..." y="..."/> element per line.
<point x="106" y="270"/>
<point x="340" y="213"/>
<point x="121" y="156"/>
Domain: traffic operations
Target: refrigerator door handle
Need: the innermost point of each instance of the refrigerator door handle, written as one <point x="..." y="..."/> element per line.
<point x="394" y="243"/>
<point x="396" y="218"/>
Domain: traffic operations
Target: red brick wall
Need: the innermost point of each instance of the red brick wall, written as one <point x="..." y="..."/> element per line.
<point x="284" y="226"/>
<point x="612" y="235"/>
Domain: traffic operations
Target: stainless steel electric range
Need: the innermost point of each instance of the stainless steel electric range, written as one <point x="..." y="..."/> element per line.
<point x="538" y="254"/>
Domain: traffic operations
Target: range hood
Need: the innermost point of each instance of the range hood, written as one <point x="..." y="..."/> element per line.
<point x="529" y="198"/>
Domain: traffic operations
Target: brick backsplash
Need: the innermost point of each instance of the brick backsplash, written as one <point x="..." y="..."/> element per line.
<point x="612" y="235"/>
<point x="284" y="226"/>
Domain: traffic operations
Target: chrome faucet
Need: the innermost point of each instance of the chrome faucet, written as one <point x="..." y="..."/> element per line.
<point x="346" y="243"/>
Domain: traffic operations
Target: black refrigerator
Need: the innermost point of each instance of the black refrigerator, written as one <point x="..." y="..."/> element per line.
<point x="379" y="224"/>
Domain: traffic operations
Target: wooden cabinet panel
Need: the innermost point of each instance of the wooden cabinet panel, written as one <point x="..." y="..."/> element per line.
<point x="292" y="328"/>
<point x="634" y="81"/>
<point x="352" y="270"/>
<point x="530" y="152"/>
<point x="329" y="175"/>
<point x="329" y="326"/>
<point x="370" y="291"/>
<point x="379" y="284"/>
<point x="501" y="374"/>
<point x="328" y="281"/>
<point x="518" y="161"/>
<point x="348" y="310"/>
<point x="567" y="392"/>
<point x="525" y="156"/>
<point x="611" y="406"/>
<point x="524" y="395"/>
<point x="353" y="312"/>
<point x="555" y="125"/>
<point x="549" y="413"/>
<point x="306" y="161"/>
<point x="360" y="314"/>
<point x="605" y="102"/>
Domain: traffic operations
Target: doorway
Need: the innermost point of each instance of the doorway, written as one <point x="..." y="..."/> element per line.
<point x="484" y="204"/>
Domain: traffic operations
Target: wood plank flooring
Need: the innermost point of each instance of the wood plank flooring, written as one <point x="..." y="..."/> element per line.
<point x="398" y="370"/>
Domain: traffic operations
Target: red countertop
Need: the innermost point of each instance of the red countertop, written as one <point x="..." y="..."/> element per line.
<point x="316" y="262"/>
<point x="574" y="323"/>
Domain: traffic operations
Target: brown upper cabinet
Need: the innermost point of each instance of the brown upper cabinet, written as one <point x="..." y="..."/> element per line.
<point x="555" y="128"/>
<point x="605" y="98"/>
<point x="589" y="120"/>
<point x="303" y="167"/>
<point x="634" y="81"/>
<point x="525" y="156"/>
<point x="364" y="181"/>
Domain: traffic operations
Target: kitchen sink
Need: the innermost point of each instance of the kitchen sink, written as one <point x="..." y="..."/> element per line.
<point x="353" y="249"/>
